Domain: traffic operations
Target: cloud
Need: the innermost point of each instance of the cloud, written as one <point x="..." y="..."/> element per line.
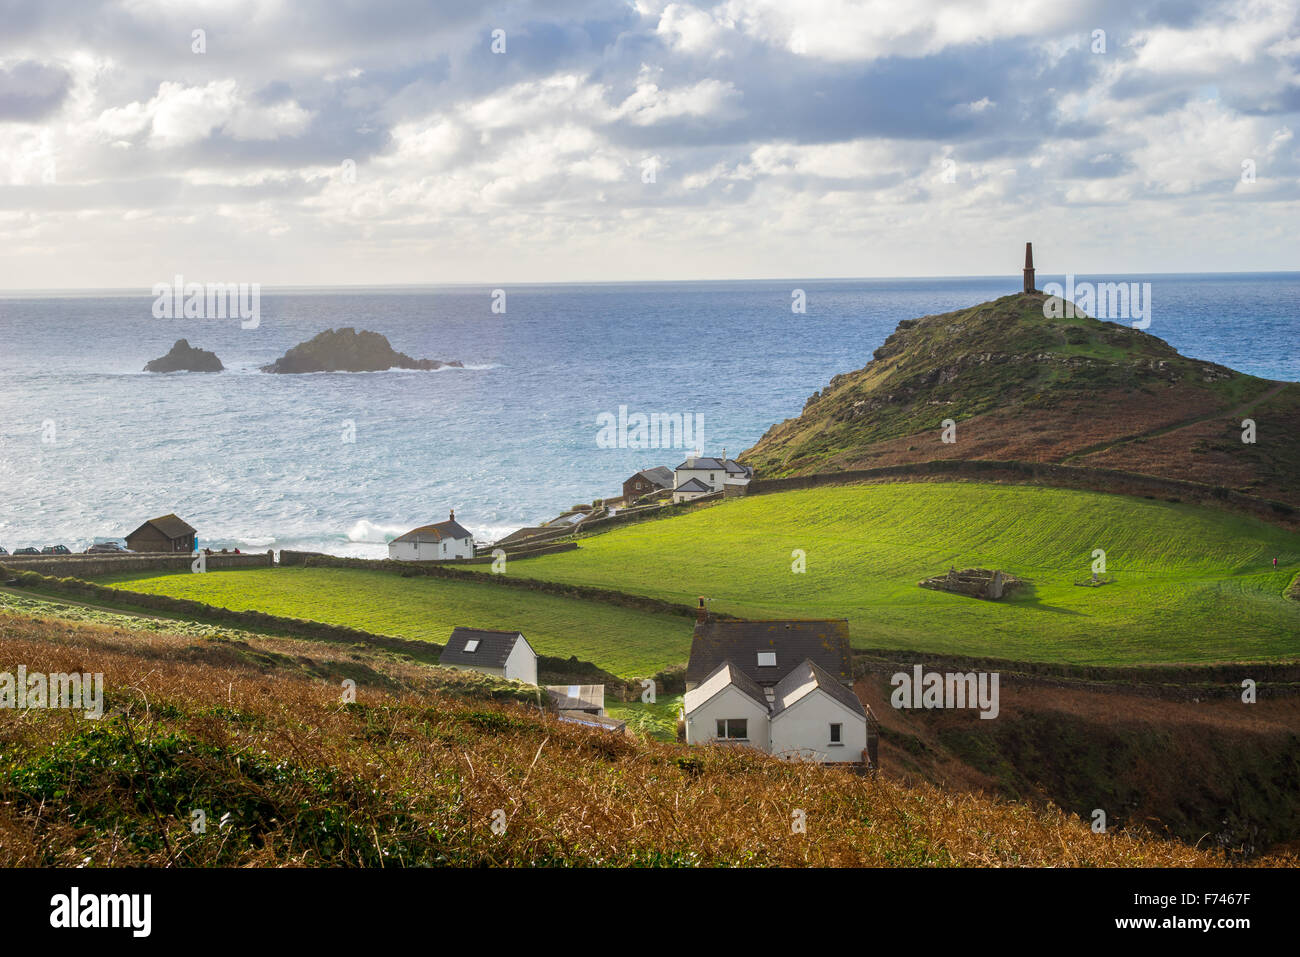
<point x="30" y="91"/>
<point x="780" y="135"/>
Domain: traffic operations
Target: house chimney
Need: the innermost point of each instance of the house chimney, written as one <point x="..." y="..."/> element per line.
<point x="453" y="515"/>
<point x="1029" y="267"/>
<point x="701" y="613"/>
<point x="724" y="456"/>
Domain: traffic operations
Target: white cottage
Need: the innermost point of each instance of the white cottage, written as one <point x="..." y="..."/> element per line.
<point x="783" y="687"/>
<point x="433" y="543"/>
<point x="704" y="475"/>
<point x="506" y="654"/>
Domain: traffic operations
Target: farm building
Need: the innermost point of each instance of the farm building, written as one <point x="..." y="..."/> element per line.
<point x="647" y="481"/>
<point x="165" y="534"/>
<point x="506" y="654"/>
<point x="433" y="543"/>
<point x="783" y="687"/>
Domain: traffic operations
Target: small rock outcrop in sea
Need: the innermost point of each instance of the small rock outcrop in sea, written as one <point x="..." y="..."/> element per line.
<point x="185" y="358"/>
<point x="346" y="350"/>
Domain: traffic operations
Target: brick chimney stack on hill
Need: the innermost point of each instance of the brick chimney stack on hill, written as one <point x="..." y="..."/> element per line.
<point x="1029" y="267"/>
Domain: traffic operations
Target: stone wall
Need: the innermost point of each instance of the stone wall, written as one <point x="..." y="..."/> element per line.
<point x="1047" y="473"/>
<point x="101" y="565"/>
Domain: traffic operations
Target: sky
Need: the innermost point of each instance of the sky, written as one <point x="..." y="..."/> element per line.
<point x="435" y="141"/>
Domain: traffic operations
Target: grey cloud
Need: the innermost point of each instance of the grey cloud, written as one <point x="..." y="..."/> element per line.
<point x="30" y="91"/>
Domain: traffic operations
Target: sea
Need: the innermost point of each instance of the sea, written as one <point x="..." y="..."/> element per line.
<point x="91" y="446"/>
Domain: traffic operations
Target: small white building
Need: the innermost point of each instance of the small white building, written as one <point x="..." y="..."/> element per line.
<point x="712" y="473"/>
<point x="433" y="543"/>
<point x="690" y="490"/>
<point x="506" y="654"/>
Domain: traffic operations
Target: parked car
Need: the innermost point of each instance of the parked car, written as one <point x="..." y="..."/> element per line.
<point x="26" y="551"/>
<point x="55" y="550"/>
<point x="111" y="548"/>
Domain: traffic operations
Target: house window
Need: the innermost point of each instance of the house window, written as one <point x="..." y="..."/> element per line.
<point x="472" y="645"/>
<point x="835" y="734"/>
<point x="734" y="729"/>
<point x="767" y="659"/>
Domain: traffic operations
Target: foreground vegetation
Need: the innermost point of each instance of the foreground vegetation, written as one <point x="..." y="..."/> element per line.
<point x="417" y="769"/>
<point x="1191" y="584"/>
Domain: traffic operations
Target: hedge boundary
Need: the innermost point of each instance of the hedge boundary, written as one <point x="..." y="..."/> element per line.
<point x="442" y="570"/>
<point x="279" y="625"/>
<point x="1112" y="481"/>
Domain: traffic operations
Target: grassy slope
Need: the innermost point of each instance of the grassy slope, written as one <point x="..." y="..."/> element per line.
<point x="1030" y="387"/>
<point x="1193" y="585"/>
<point x="412" y="775"/>
<point x="627" y="642"/>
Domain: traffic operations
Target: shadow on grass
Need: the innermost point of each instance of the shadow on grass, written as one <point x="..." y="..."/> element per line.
<point x="1026" y="596"/>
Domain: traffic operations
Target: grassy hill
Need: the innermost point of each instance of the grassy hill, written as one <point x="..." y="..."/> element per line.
<point x="251" y="731"/>
<point x="1192" y="584"/>
<point x="1021" y="386"/>
<point x="625" y="641"/>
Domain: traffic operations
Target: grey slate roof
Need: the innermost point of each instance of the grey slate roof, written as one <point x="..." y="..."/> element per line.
<point x="809" y="672"/>
<point x="730" y="466"/>
<point x="435" y="533"/>
<point x="694" y="485"/>
<point x="493" y="649"/>
<point x="660" y="475"/>
<point x="823" y="641"/>
<point x="169" y="525"/>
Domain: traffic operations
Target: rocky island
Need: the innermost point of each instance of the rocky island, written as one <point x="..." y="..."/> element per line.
<point x="183" y="357"/>
<point x="346" y="350"/>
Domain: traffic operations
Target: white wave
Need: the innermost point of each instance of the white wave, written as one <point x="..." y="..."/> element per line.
<point x="368" y="532"/>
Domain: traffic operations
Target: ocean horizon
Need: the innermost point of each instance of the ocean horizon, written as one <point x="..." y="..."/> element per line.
<point x="91" y="446"/>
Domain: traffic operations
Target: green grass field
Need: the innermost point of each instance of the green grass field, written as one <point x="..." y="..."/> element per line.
<point x="1193" y="584"/>
<point x="626" y="642"/>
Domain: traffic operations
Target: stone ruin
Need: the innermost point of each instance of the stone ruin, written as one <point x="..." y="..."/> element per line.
<point x="974" y="582"/>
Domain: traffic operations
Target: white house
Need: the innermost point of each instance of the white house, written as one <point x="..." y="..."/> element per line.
<point x="811" y="715"/>
<point x="506" y="654"/>
<point x="783" y="687"/>
<point x="712" y="473"/>
<point x="433" y="543"/>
